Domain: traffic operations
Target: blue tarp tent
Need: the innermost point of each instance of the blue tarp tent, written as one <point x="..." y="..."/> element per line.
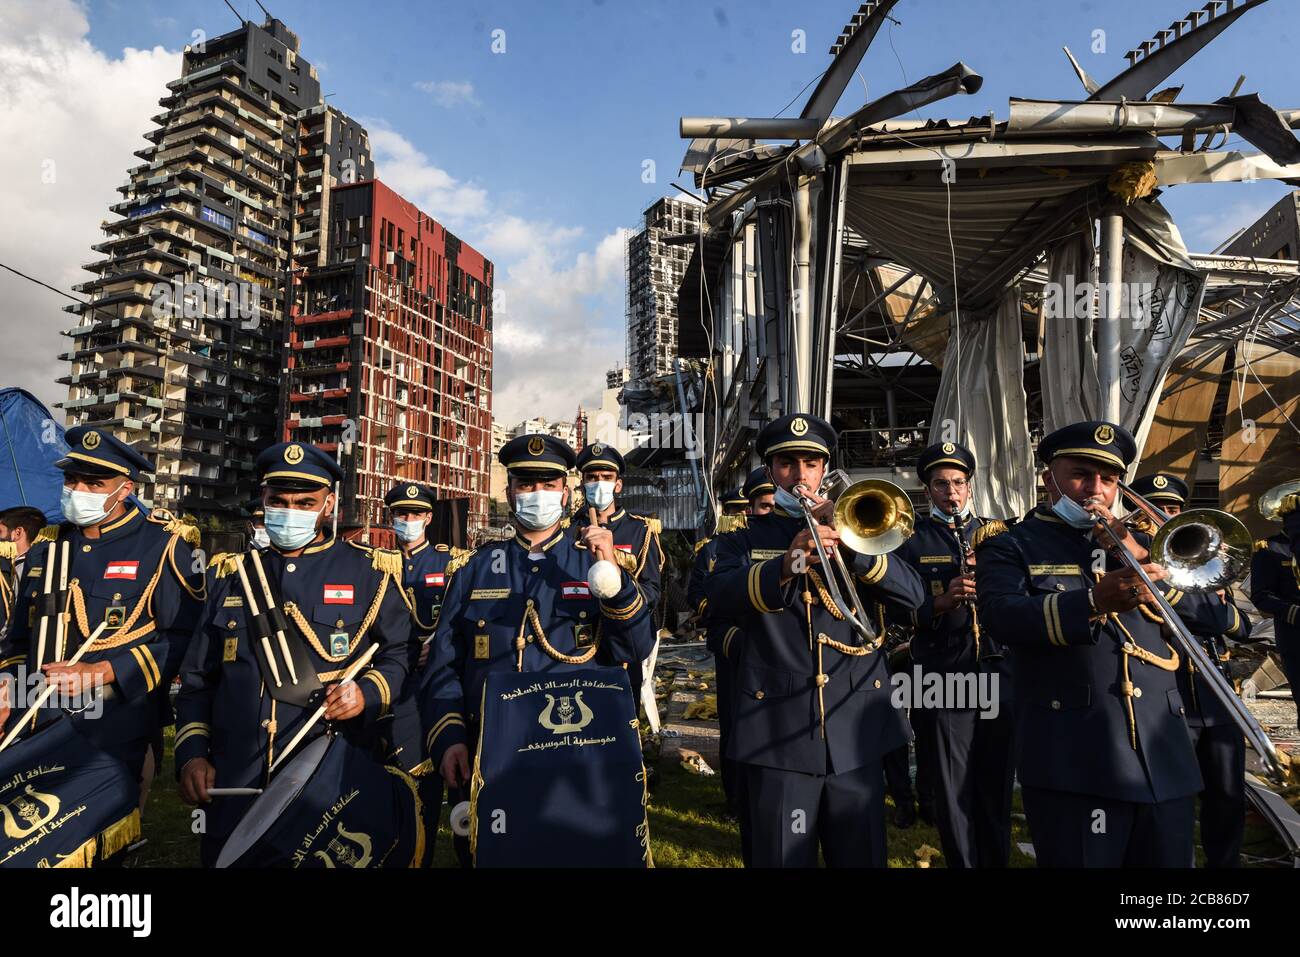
<point x="31" y="441"/>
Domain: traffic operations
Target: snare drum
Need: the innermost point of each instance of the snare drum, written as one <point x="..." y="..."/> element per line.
<point x="332" y="805"/>
<point x="63" y="802"/>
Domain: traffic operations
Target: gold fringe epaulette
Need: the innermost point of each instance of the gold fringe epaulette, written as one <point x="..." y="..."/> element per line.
<point x="731" y="523"/>
<point x="8" y="551"/>
<point x="986" y="531"/>
<point x="50" y="533"/>
<point x="174" y="526"/>
<point x="1261" y="544"/>
<point x="224" y="563"/>
<point x="457" y="551"/>
<point x="701" y="543"/>
<point x="655" y="525"/>
<point x="459" y="561"/>
<point x="387" y="560"/>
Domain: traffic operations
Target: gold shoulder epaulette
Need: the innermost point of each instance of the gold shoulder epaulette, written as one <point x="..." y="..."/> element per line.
<point x="565" y="522"/>
<point x="986" y="531"/>
<point x="174" y="526"/>
<point x="459" y="561"/>
<point x="1261" y="544"/>
<point x="8" y="550"/>
<point x="701" y="543"/>
<point x="224" y="563"/>
<point x="50" y="533"/>
<point x="387" y="560"/>
<point x="655" y="525"/>
<point x="457" y="550"/>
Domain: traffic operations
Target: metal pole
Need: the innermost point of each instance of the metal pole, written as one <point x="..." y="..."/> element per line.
<point x="1111" y="301"/>
<point x="801" y="346"/>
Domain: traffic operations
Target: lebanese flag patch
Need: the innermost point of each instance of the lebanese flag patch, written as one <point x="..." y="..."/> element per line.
<point x="575" y="590"/>
<point x="338" y="594"/>
<point x="624" y="548"/>
<point x="122" y="570"/>
<point x="435" y="580"/>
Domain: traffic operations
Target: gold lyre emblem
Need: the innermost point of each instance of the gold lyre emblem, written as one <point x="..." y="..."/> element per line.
<point x="1104" y="435"/>
<point x="799" y="426"/>
<point x="90" y="440"/>
<point x="949" y="448"/>
<point x="1160" y="481"/>
<point x="597" y="449"/>
<point x="348" y="849"/>
<point x="23" y="814"/>
<point x="536" y="446"/>
<point x="294" y="454"/>
<point x="412" y="491"/>
<point x="565" y="712"/>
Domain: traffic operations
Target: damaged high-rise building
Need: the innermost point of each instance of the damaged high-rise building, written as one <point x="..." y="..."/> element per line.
<point x="655" y="268"/>
<point x="178" y="349"/>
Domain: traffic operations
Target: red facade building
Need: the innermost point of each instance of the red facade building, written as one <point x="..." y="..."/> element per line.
<point x="389" y="358"/>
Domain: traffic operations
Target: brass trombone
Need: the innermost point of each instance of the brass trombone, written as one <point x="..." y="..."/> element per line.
<point x="1270" y="503"/>
<point x="1205" y="539"/>
<point x="873" y="517"/>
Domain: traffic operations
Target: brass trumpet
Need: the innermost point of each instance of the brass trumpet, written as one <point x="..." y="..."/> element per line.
<point x="873" y="517"/>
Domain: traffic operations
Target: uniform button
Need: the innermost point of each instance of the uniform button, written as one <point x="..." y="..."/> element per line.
<point x="758" y="695"/>
<point x="85" y="548"/>
<point x="266" y="722"/>
<point x="410" y="568"/>
<point x="481" y="622"/>
<point x="339" y="623"/>
<point x="1181" y="711"/>
<point x="232" y="623"/>
<point x="1056" y="706"/>
<point x="291" y="567"/>
<point x="534" y="568"/>
<point x="877" y="682"/>
<point x="1137" y="692"/>
<point x="530" y="639"/>
<point x="1060" y="587"/>
<point x="582" y="614"/>
<point x="117" y="596"/>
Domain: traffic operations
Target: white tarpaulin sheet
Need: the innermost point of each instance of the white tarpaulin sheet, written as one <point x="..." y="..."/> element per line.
<point x="982" y="405"/>
<point x="1161" y="301"/>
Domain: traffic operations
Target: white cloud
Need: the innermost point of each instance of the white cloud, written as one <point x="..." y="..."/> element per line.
<point x="403" y="167"/>
<point x="449" y="93"/>
<point x="73" y="114"/>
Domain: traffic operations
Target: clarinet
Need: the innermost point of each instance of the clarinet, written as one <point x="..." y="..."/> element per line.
<point x="967" y="568"/>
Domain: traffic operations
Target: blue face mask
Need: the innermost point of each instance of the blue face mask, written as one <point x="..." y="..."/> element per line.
<point x="541" y="509"/>
<point x="290" y="528"/>
<point x="1069" y="511"/>
<point x="599" y="494"/>
<point x="964" y="512"/>
<point x="409" y="530"/>
<point x="788" y="503"/>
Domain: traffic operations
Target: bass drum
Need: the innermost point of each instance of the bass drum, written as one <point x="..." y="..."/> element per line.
<point x="63" y="802"/>
<point x="331" y="806"/>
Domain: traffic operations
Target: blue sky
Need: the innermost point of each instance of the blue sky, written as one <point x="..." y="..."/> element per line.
<point x="551" y="136"/>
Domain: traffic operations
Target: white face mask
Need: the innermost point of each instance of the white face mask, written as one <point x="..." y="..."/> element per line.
<point x="788" y="503"/>
<point x="409" y="530"/>
<point x="260" y="538"/>
<point x="290" y="528"/>
<point x="599" y="494"/>
<point x="85" y="509"/>
<point x="1070" y="511"/>
<point x="540" y="509"/>
<point x="945" y="516"/>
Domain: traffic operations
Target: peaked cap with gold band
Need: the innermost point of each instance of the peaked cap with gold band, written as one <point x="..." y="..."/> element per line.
<point x="410" y="497"/>
<point x="297" y="466"/>
<point x="542" y="454"/>
<point x="735" y="498"/>
<point x="598" y="455"/>
<point x="95" y="451"/>
<point x="758" y="483"/>
<point x="1162" y="487"/>
<point x="1102" y="442"/>
<point x="796" y="433"/>
<point x="944" y="455"/>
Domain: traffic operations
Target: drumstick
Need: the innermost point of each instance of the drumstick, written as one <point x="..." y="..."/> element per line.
<point x="279" y="634"/>
<point x="51" y="557"/>
<point x="252" y="610"/>
<point x="60" y="624"/>
<point x="233" y="792"/>
<point x="50" y="686"/>
<point x="316" y="716"/>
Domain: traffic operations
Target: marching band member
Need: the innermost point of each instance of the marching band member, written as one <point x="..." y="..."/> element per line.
<point x="969" y="751"/>
<point x="813" y="712"/>
<point x="525" y="605"/>
<point x="1108" y="773"/>
<point x="1275" y="591"/>
<point x="243" y="698"/>
<point x="109" y="563"/>
<point x="1220" y="747"/>
<point x="636" y="537"/>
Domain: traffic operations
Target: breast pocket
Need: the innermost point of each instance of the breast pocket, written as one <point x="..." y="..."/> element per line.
<point x="114" y="594"/>
<point x="1066" y="697"/>
<point x="763" y="683"/>
<point x="337" y="627"/>
<point x="228" y="627"/>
